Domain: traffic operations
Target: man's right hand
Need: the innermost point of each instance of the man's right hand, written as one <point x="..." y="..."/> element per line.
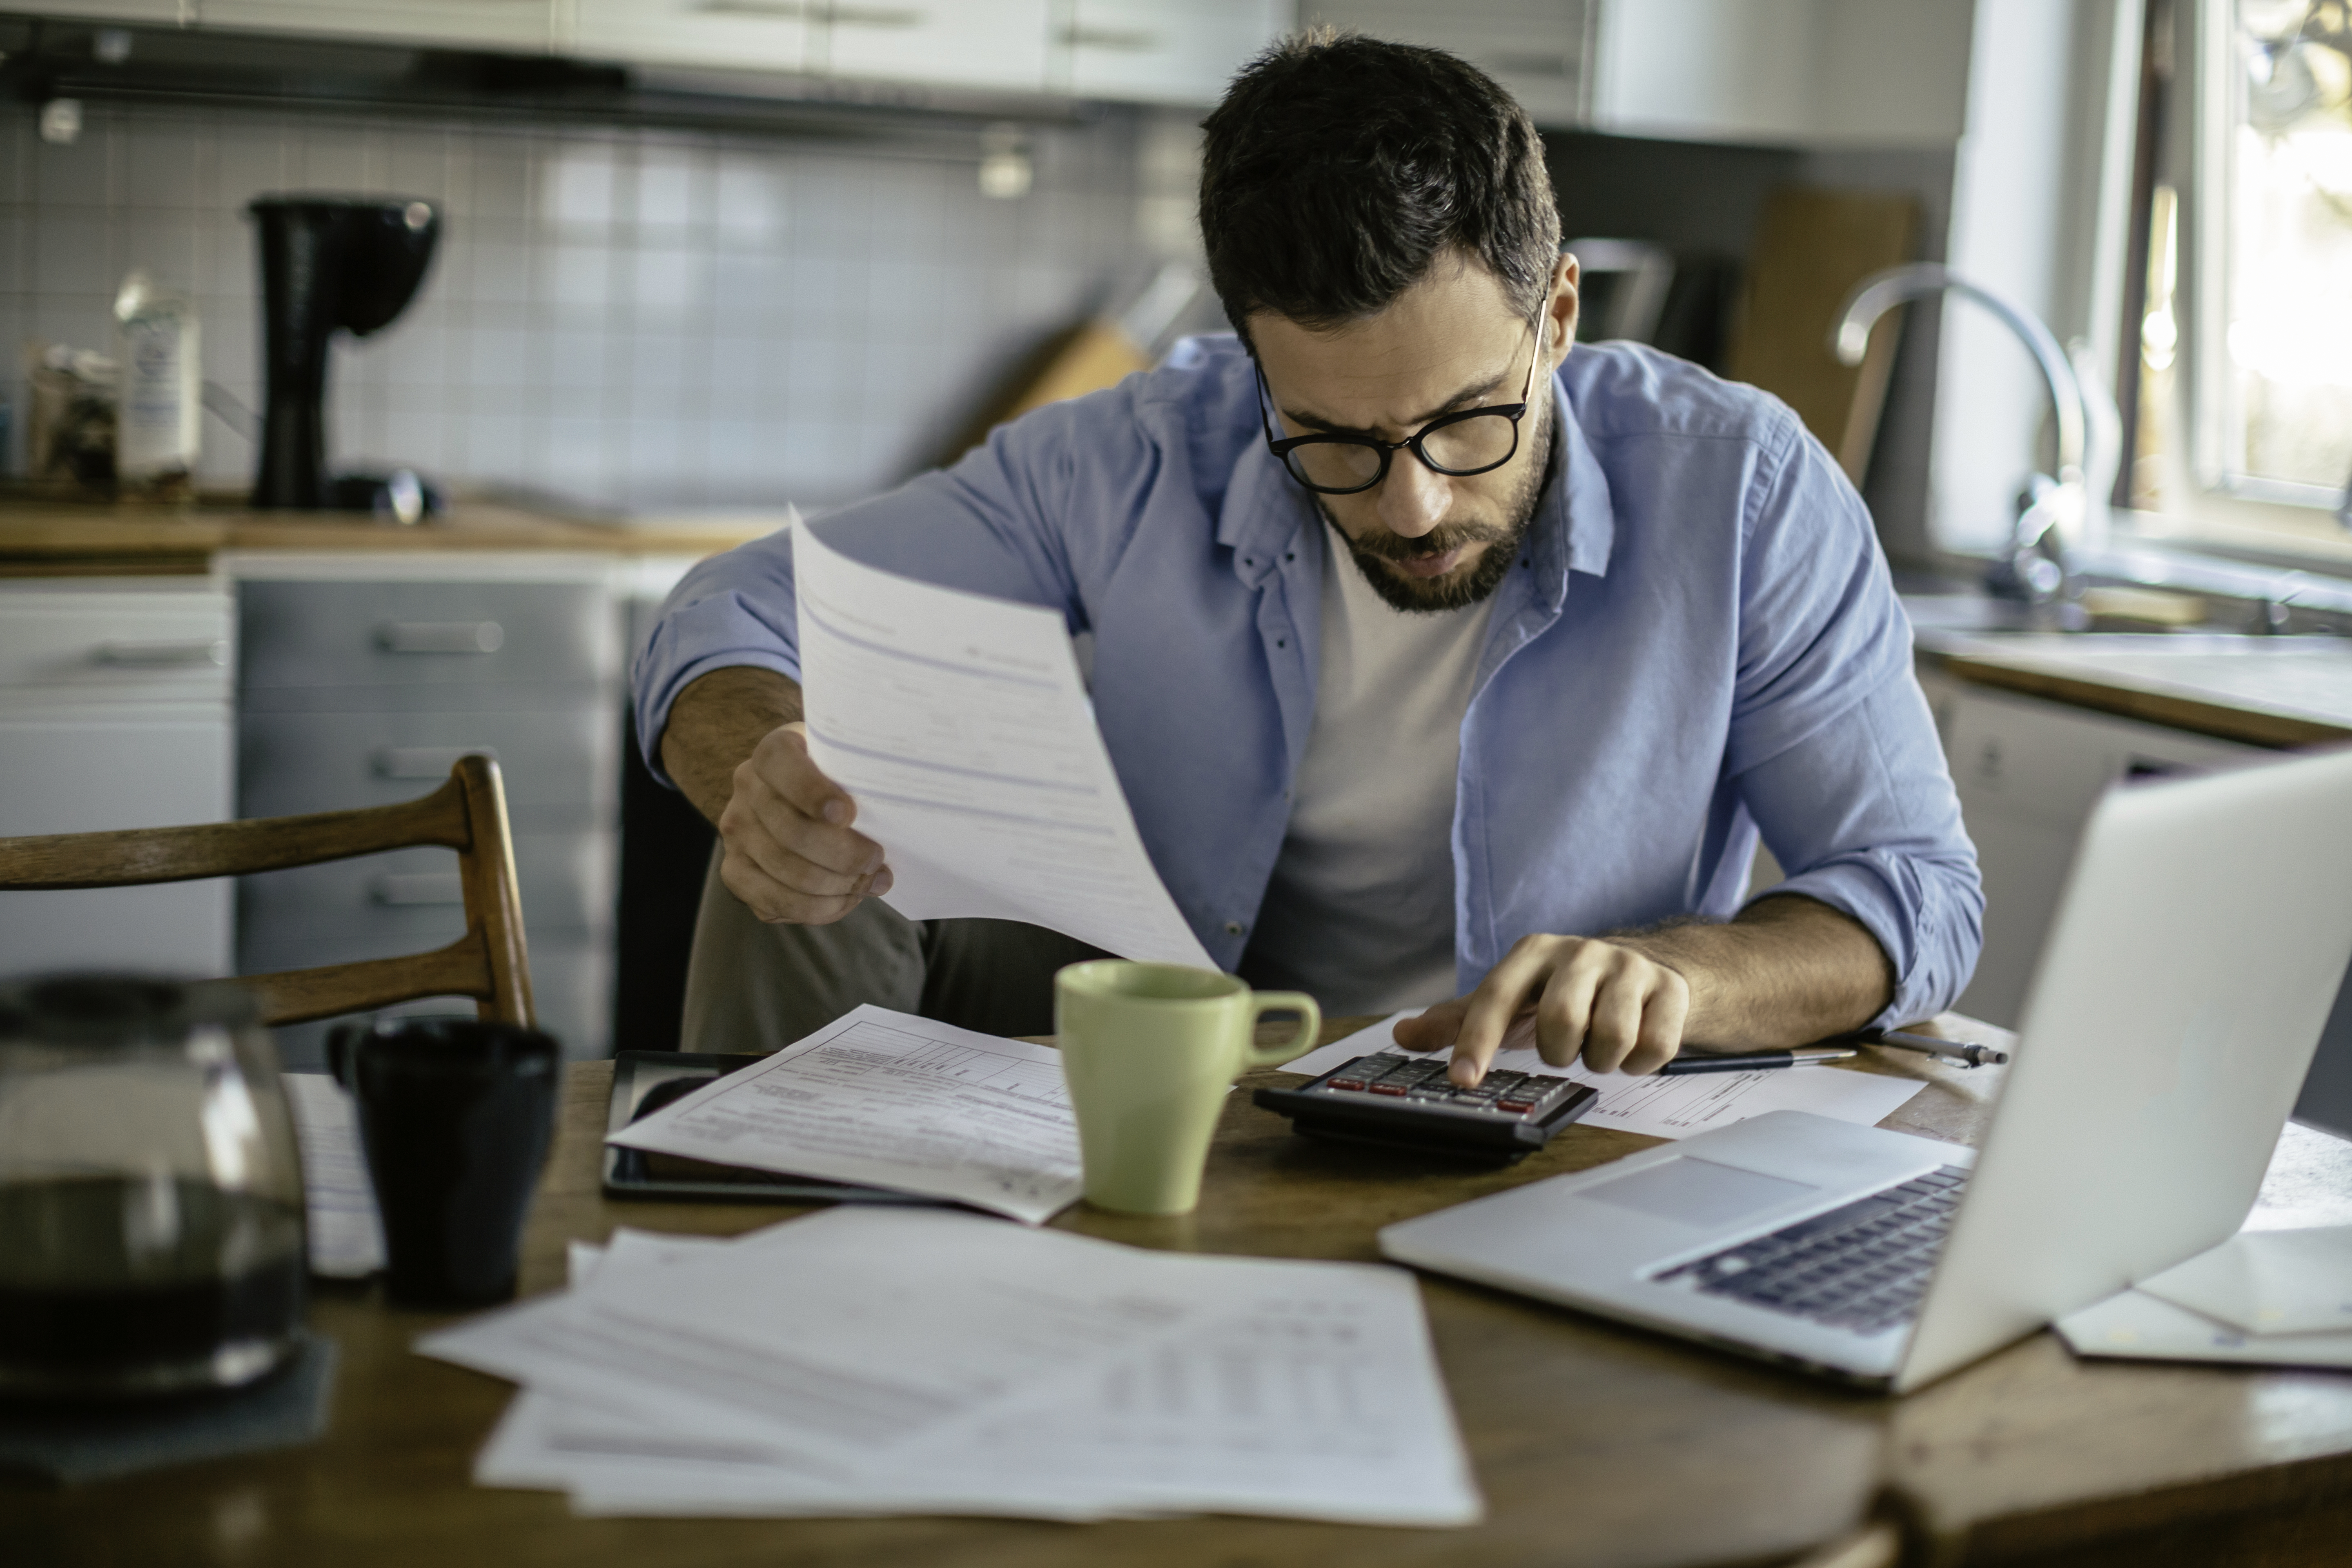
<point x="792" y="855"/>
<point x="735" y="744"/>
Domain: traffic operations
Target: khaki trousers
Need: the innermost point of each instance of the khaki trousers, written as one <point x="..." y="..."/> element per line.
<point x="752" y="986"/>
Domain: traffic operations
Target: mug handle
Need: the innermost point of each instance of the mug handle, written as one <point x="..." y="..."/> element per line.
<point x="1311" y="1024"/>
<point x="343" y="1048"/>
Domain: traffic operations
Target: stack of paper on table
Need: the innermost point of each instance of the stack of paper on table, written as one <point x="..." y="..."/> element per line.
<point x="892" y="1101"/>
<point x="1662" y="1107"/>
<point x="346" y="1234"/>
<point x="2276" y="1298"/>
<point x="871" y="1360"/>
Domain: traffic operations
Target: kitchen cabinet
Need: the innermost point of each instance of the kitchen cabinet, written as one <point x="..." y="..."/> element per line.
<point x="1541" y="50"/>
<point x="365" y="679"/>
<point x="773" y="37"/>
<point x="1151" y="51"/>
<point x="522" y="26"/>
<point x="152" y="13"/>
<point x="953" y="43"/>
<point x="1160" y="51"/>
<point x="2028" y="772"/>
<point x="115" y="713"/>
<point x="1881" y="73"/>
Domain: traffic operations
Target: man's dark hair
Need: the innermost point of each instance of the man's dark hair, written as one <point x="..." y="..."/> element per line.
<point x="1339" y="168"/>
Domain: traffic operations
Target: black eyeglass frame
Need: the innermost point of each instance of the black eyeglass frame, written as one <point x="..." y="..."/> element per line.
<point x="1388" y="450"/>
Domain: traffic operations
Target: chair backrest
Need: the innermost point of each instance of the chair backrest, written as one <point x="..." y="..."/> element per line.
<point x="468" y="814"/>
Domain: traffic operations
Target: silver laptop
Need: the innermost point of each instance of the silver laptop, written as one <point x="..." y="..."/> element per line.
<point x="2196" y="951"/>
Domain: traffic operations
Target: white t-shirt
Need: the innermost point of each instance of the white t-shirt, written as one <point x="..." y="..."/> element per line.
<point x="1359" y="914"/>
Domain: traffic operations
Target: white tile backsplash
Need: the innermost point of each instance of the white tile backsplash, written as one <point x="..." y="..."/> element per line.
<point x="628" y="317"/>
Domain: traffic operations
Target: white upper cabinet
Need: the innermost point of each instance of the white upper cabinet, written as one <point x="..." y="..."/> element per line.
<point x="1152" y="51"/>
<point x="1538" y="49"/>
<point x="1793" y="72"/>
<point x="737" y="35"/>
<point x="519" y="26"/>
<point x="1785" y="72"/>
<point x="995" y="43"/>
<point x="164" y="13"/>
<point x="1160" y="51"/>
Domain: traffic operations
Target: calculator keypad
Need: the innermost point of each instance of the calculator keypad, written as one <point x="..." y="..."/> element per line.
<point x="1421" y="1081"/>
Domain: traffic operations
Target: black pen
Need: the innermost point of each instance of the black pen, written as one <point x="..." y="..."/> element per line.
<point x="1959" y="1053"/>
<point x="1758" y="1061"/>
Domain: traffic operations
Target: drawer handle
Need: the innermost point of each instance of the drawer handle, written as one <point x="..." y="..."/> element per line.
<point x="207" y="652"/>
<point x="440" y="636"/>
<point x="424" y="762"/>
<point x="1125" y="40"/>
<point x="875" y="16"/>
<point x="406" y="888"/>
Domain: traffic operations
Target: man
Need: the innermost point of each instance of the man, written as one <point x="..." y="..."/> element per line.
<point x="1438" y="658"/>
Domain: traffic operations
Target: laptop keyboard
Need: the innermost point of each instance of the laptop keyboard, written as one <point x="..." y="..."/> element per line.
<point x="1863" y="1267"/>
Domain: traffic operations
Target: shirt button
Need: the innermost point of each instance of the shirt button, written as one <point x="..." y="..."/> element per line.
<point x="1232" y="928"/>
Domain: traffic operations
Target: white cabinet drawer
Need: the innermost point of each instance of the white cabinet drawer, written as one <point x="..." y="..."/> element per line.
<point x="111" y="769"/>
<point x="78" y="645"/>
<point x="389" y="636"/>
<point x="2052" y="762"/>
<point x="557" y="765"/>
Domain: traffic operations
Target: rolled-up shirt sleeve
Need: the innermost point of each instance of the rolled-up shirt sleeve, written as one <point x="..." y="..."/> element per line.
<point x="1835" y="749"/>
<point x="1862" y="815"/>
<point x="733" y="609"/>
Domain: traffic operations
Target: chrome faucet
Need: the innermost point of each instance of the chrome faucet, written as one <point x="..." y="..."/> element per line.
<point x="2034" y="568"/>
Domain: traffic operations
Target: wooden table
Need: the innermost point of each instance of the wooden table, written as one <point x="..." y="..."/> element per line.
<point x="1594" y="1445"/>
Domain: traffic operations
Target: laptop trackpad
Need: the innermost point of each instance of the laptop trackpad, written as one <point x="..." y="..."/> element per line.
<point x="1696" y="1192"/>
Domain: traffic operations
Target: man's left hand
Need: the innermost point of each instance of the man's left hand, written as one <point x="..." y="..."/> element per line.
<point x="1622" y="1009"/>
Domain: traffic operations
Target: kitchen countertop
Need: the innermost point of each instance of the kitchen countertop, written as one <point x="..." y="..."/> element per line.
<point x="60" y="539"/>
<point x="2262" y="690"/>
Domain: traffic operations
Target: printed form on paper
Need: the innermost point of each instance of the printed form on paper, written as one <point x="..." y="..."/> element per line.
<point x="889" y="1100"/>
<point x="960" y="725"/>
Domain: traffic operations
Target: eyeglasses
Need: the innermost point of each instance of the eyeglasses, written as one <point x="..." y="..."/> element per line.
<point x="1470" y="441"/>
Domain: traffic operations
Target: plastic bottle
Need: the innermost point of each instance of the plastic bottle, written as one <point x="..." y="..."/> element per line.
<point x="159" y="416"/>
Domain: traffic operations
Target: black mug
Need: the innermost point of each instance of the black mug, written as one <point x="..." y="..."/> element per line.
<point x="455" y="1115"/>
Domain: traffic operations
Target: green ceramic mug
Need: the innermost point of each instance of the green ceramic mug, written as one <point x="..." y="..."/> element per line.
<point x="1150" y="1051"/>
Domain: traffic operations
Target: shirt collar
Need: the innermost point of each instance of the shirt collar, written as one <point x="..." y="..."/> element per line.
<point x="1576" y="506"/>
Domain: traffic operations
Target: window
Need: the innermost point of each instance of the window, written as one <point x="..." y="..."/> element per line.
<point x="2244" y="373"/>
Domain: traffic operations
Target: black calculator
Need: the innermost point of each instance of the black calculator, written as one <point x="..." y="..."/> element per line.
<point x="1407" y="1102"/>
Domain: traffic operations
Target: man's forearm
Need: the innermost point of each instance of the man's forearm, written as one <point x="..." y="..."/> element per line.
<point x="714" y="725"/>
<point x="1785" y="971"/>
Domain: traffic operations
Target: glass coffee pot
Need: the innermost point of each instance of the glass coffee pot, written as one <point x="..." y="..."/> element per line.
<point x="151" y="1191"/>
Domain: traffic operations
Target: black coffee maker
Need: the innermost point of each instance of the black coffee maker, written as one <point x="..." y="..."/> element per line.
<point x="330" y="263"/>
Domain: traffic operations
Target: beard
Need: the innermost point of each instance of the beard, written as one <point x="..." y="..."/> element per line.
<point x="1418" y="595"/>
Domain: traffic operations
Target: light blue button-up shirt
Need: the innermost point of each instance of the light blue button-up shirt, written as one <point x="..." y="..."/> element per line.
<point x="1700" y="639"/>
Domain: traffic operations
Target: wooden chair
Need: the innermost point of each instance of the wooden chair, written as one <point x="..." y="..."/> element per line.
<point x="468" y="814"/>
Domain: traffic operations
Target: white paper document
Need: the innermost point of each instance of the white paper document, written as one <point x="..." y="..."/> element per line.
<point x="2268" y="1282"/>
<point x="346" y="1232"/>
<point x="960" y="726"/>
<point x="2136" y="1326"/>
<point x="889" y="1100"/>
<point x="867" y="1361"/>
<point x="1662" y="1107"/>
